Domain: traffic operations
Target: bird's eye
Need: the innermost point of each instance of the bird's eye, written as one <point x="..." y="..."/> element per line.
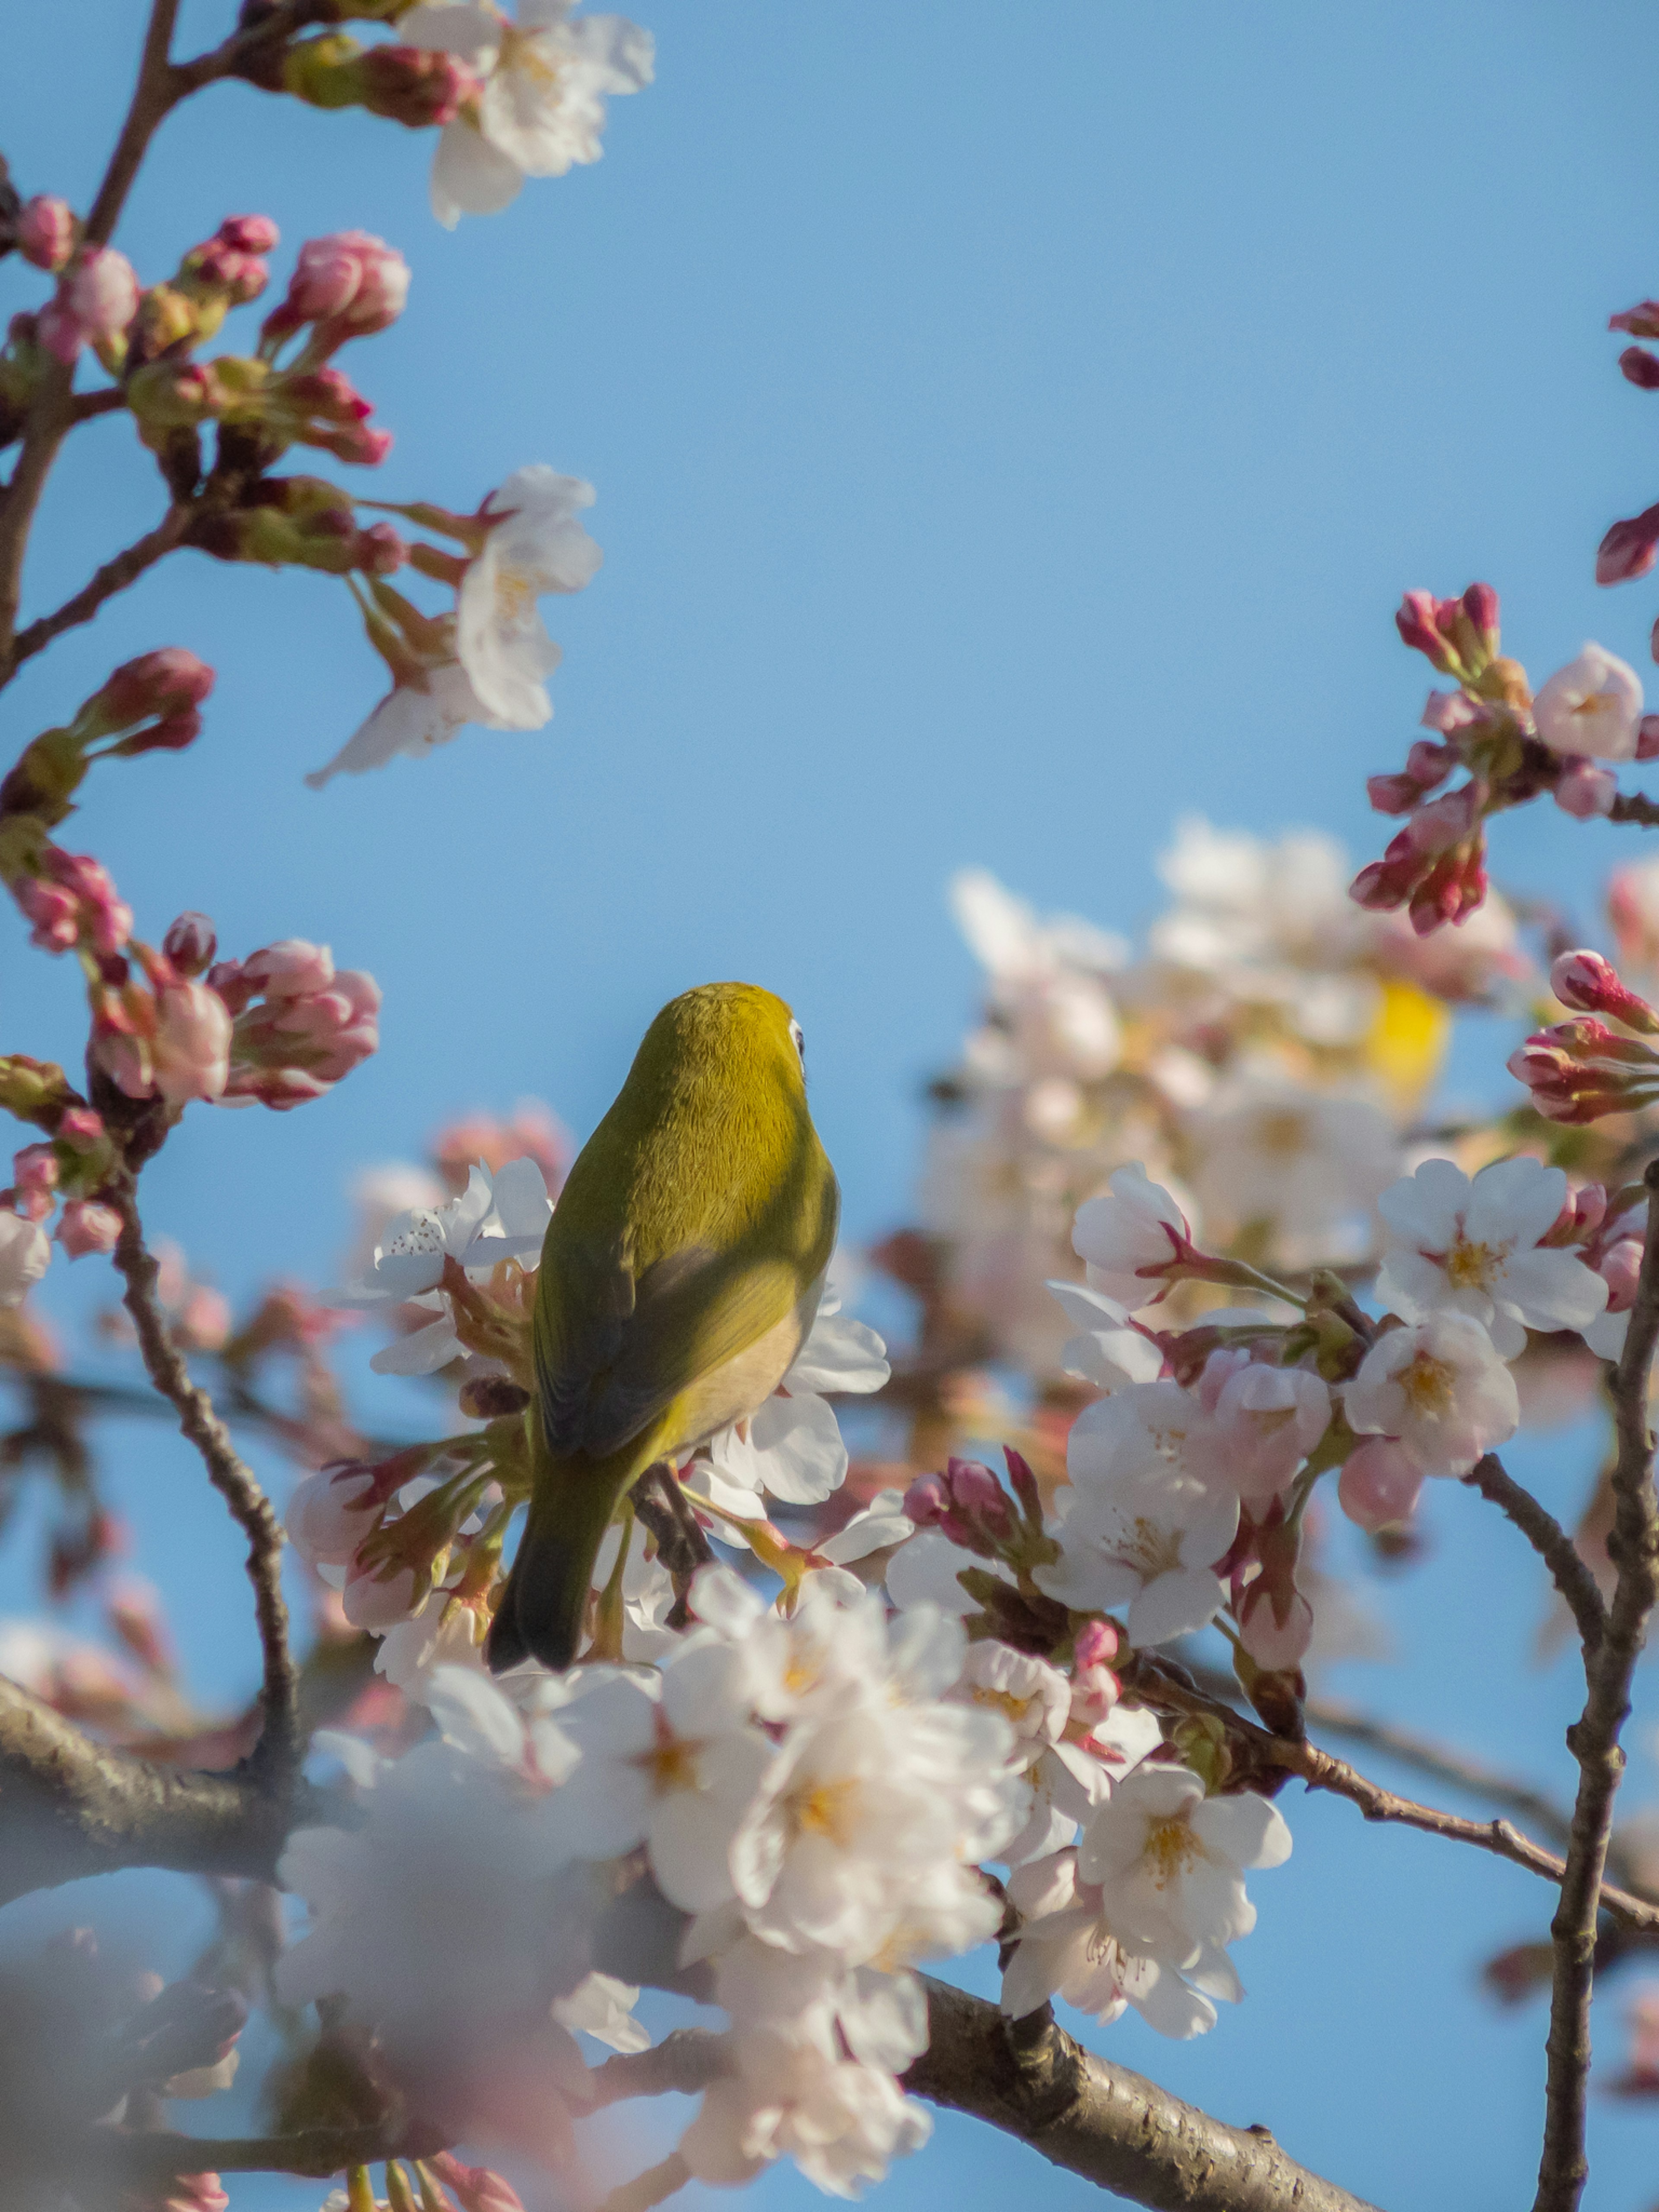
<point x="798" y="1038"/>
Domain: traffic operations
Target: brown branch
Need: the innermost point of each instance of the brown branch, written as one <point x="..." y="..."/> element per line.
<point x="1635" y="806"/>
<point x="1031" y="2079"/>
<point x="70" y="1806"/>
<point x="1633" y="1547"/>
<point x="114" y="576"/>
<point x="155" y="92"/>
<point x="148" y="2162"/>
<point x="687" y="2060"/>
<point x="1571" y="1575"/>
<point x="280" y="1748"/>
<point x="241" y="52"/>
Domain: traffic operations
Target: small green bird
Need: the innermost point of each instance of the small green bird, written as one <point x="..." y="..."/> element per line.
<point x="679" y="1274"/>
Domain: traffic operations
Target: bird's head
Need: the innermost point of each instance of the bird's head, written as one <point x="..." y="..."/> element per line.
<point x="729" y="1031"/>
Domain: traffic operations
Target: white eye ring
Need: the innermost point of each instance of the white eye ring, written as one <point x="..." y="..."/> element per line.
<point x="798" y="1038"/>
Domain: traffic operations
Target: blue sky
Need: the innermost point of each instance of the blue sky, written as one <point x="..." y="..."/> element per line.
<point x="1012" y="428"/>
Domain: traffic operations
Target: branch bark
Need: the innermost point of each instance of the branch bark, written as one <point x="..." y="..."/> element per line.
<point x="114" y="576"/>
<point x="70" y="1806"/>
<point x="1567" y="1566"/>
<point x="280" y="1748"/>
<point x="1633" y="1547"/>
<point x="1031" y="2079"/>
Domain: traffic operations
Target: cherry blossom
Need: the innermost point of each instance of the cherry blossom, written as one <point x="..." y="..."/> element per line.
<point x="1106" y="1350"/>
<point x="415" y="718"/>
<point x="1126" y="1234"/>
<point x="542" y="109"/>
<point x="1307" y="1166"/>
<point x="25" y="1256"/>
<point x="1068" y="1946"/>
<point x="538" y="545"/>
<point x="1264" y="1422"/>
<point x="1439" y="1387"/>
<point x="1593" y="707"/>
<point x="1475" y="1248"/>
<point x="842" y="2121"/>
<point x="1173" y="1860"/>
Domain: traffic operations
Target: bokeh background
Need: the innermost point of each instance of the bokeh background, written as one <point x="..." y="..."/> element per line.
<point x="1012" y="428"/>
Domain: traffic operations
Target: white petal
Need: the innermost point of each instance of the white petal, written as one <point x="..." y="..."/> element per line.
<point x="470" y="176"/>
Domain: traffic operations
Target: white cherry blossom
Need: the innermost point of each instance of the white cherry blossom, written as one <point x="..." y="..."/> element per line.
<point x="1264" y="1421"/>
<point x="25" y="1256"/>
<point x="842" y="2123"/>
<point x="542" y="109"/>
<point x="1132" y="1225"/>
<point x="1106" y="1350"/>
<point x="1068" y="1948"/>
<point x="1172" y="1860"/>
<point x="1474" y="1248"/>
<point x="413" y="718"/>
<point x="1308" y="1166"/>
<point x="539" y="545"/>
<point x="1149" y="1545"/>
<point x="1593" y="706"/>
<point x="1441" y="1388"/>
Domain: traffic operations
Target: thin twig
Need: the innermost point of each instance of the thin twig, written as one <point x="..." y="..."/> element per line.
<point x="686" y="2060"/>
<point x="1635" y="806"/>
<point x="1269" y="1754"/>
<point x="236" y="53"/>
<point x="1571" y="1574"/>
<point x="1633" y="1547"/>
<point x="52" y="409"/>
<point x="114" y="576"/>
<point x="279" y="1747"/>
<point x="651" y="2188"/>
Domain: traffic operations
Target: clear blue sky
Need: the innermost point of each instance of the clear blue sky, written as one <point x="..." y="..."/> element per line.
<point x="1011" y="427"/>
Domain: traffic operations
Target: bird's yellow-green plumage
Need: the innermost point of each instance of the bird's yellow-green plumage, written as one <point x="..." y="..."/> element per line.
<point x="680" y="1272"/>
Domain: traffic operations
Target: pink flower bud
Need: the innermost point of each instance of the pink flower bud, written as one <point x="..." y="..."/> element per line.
<point x="413" y="86"/>
<point x="1480" y="606"/>
<point x="290" y="969"/>
<point x="190" y="944"/>
<point x="1094" y="1691"/>
<point x="102" y="294"/>
<point x="382" y="552"/>
<point x="330" y="1513"/>
<point x="1274" y="1642"/>
<point x="1451" y="711"/>
<point x="926" y="1501"/>
<point x="45" y="232"/>
<point x="1585" y="791"/>
<point x="190" y="1048"/>
<point x="1095" y="1644"/>
<point x="1641" y="321"/>
<point x="82" y="1129"/>
<point x="169" y="681"/>
<point x="976" y="1493"/>
<point x="348" y="285"/>
<point x="476" y="2187"/>
<point x="1440" y="824"/>
<point x="1392" y="795"/>
<point x="1419" y="628"/>
<point x="1620" y="1267"/>
<point x="35" y="1168"/>
<point x="1591" y="985"/>
<point x="86" y="1226"/>
<point x="1629" y="548"/>
<point x="1640" y="368"/>
<point x="1379" y="1484"/>
<point x="249" y="234"/>
<point x="370" y="1603"/>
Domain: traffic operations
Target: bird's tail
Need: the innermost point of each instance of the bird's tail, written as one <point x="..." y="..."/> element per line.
<point x="544" y="1606"/>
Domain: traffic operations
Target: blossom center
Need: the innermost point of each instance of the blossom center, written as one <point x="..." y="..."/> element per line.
<point x="1471" y="1267"/>
<point x="533" y="57"/>
<point x="515" y="596"/>
<point x="1429" y="1384"/>
<point x="1171" y="1847"/>
<point x="1004" y="1701"/>
<point x="672" y="1761"/>
<point x="1154" y="1550"/>
<point x="826" y="1810"/>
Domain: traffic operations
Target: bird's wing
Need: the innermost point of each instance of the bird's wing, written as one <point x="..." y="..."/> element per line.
<point x="613" y="1351"/>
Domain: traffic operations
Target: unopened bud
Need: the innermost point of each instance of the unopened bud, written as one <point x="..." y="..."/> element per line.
<point x="1641" y="321"/>
<point x="190" y="944"/>
<point x="1584" y="791"/>
<point x="1591" y="985"/>
<point x="1640" y="368"/>
<point x="85" y="1226"/>
<point x="45" y="232"/>
<point x="167" y="682"/>
<point x="1630" y="548"/>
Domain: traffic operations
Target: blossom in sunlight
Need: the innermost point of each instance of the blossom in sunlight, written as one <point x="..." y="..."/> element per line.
<point x="45" y="232"/>
<point x="1270" y="921"/>
<point x="1128" y="1235"/>
<point x="300" y="1024"/>
<point x="1307" y="1166"/>
<point x="1476" y="1248"/>
<point x="1069" y="1947"/>
<point x="670" y="1760"/>
<point x="1593" y="706"/>
<point x="1173" y="1861"/>
<point x="348" y="285"/>
<point x="500" y="1217"/>
<point x="542" y="109"/>
<point x="416" y="717"/>
<point x="536" y="545"/>
<point x="792" y="1446"/>
<point x="1046" y="979"/>
<point x="1147" y="1544"/>
<point x="25" y="1256"/>
<point x="1106" y="1350"/>
<point x="97" y="297"/>
<point x="171" y="1043"/>
<point x="1440" y="1388"/>
<point x="842" y="2121"/>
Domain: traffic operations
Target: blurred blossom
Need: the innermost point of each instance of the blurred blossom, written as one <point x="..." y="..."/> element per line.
<point x="1302" y="1170"/>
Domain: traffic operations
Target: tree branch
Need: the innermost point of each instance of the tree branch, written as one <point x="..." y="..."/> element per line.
<point x="1029" y="2079"/>
<point x="1567" y="1566"/>
<point x="1633" y="1547"/>
<point x="70" y="1806"/>
<point x="1635" y="806"/>
<point x="114" y="576"/>
<point x="236" y="54"/>
<point x="687" y="2060"/>
<point x="280" y="1748"/>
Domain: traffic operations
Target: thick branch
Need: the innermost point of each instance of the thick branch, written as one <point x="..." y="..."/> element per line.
<point x="279" y="1747"/>
<point x="114" y="576"/>
<point x="155" y="92"/>
<point x="1100" y="2121"/>
<point x="70" y="1806"/>
<point x="1633" y="1547"/>
<point x="1551" y="1541"/>
<point x="688" y="2060"/>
